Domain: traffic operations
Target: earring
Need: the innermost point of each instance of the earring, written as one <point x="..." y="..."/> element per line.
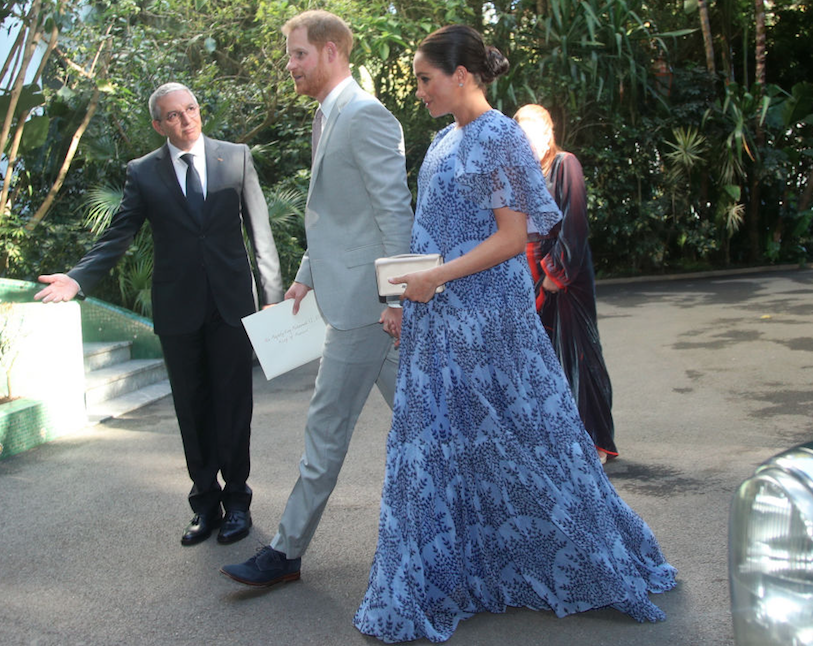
<point x="459" y="85"/>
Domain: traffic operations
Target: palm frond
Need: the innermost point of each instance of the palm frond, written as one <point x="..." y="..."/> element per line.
<point x="265" y="152"/>
<point x="99" y="206"/>
<point x="285" y="206"/>
<point x="687" y="149"/>
<point x="734" y="216"/>
<point x="100" y="149"/>
<point x="135" y="280"/>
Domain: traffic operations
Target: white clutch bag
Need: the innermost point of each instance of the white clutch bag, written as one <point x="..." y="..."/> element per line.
<point x="386" y="268"/>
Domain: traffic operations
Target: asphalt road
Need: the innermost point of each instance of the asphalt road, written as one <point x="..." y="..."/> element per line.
<point x="711" y="376"/>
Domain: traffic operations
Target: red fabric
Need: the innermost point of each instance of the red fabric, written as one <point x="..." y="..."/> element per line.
<point x="533" y="263"/>
<point x="569" y="315"/>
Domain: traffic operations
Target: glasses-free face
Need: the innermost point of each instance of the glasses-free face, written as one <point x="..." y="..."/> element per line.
<point x="436" y="89"/>
<point x="307" y="64"/>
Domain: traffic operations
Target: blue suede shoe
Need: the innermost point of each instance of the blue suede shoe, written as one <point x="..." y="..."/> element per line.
<point x="267" y="567"/>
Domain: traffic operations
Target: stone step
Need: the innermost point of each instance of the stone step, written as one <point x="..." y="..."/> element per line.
<point x="123" y="404"/>
<point x="122" y="378"/>
<point x="105" y="353"/>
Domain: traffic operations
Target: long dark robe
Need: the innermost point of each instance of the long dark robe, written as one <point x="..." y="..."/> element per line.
<point x="569" y="315"/>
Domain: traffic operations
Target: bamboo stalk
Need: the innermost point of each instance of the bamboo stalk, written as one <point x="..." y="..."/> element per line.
<point x="16" y="91"/>
<point x="63" y="171"/>
<point x="11" y="161"/>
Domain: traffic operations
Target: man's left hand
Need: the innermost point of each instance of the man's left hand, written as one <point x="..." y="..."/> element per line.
<point x="391" y="320"/>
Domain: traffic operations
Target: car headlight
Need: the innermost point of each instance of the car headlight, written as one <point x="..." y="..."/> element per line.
<point x="770" y="562"/>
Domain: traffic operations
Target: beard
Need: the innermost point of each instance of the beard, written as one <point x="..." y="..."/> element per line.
<point x="313" y="82"/>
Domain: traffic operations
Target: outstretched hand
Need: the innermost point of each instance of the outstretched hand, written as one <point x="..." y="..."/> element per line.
<point x="61" y="288"/>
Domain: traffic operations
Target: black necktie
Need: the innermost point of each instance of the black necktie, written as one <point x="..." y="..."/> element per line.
<point x="194" y="189"/>
<point x="316" y="133"/>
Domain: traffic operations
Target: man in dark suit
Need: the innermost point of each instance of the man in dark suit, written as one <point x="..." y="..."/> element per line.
<point x="198" y="195"/>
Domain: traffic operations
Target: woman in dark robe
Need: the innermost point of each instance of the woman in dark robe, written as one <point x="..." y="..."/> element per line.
<point x="562" y="268"/>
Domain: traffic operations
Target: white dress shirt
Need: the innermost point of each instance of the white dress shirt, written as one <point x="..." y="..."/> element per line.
<point x="199" y="152"/>
<point x="330" y="100"/>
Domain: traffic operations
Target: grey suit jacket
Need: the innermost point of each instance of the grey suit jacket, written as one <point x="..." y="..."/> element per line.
<point x="358" y="209"/>
<point x="193" y="259"/>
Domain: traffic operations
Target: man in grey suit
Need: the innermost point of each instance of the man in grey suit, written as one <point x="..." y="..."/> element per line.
<point x="358" y="209"/>
<point x="198" y="195"/>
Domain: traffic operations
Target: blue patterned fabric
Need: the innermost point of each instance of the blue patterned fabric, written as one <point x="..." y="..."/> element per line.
<point x="493" y="494"/>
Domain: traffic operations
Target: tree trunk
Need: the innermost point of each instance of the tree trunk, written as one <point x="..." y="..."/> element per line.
<point x="705" y="27"/>
<point x="11" y="158"/>
<point x="12" y="53"/>
<point x="30" y="46"/>
<point x="807" y="194"/>
<point x="759" y="52"/>
<point x="759" y="78"/>
<point x="63" y="171"/>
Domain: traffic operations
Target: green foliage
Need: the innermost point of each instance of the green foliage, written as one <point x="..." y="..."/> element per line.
<point x="101" y="204"/>
<point x="626" y="216"/>
<point x="134" y="271"/>
<point x="12" y="236"/>
<point x="135" y="274"/>
<point x="286" y="211"/>
<point x="687" y="152"/>
<point x="671" y="154"/>
<point x="54" y="247"/>
<point x="788" y="43"/>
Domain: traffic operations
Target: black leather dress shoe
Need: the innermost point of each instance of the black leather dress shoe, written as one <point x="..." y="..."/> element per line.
<point x="201" y="528"/>
<point x="235" y="527"/>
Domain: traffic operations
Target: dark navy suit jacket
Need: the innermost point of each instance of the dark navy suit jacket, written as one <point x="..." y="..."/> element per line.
<point x="191" y="256"/>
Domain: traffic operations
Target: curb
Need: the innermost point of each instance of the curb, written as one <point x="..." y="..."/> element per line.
<point x="720" y="273"/>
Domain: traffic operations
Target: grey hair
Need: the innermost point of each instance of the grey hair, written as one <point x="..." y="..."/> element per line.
<point x="165" y="89"/>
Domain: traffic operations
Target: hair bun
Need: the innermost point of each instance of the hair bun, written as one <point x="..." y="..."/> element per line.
<point x="496" y="64"/>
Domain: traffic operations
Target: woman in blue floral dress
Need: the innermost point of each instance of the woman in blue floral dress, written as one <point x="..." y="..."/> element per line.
<point x="493" y="494"/>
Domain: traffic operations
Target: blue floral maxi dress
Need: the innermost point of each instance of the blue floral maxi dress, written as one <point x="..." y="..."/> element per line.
<point x="493" y="494"/>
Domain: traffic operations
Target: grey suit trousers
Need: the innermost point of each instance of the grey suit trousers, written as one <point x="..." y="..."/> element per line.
<point x="352" y="361"/>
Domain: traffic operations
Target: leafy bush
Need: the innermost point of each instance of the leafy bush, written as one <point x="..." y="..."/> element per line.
<point x="685" y="169"/>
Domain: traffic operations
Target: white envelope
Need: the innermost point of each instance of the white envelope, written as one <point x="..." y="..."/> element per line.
<point x="283" y="341"/>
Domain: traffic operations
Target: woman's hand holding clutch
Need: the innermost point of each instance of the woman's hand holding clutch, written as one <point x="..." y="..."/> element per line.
<point x="421" y="285"/>
<point x="420" y="270"/>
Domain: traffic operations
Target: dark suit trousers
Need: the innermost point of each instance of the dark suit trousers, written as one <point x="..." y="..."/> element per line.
<point x="210" y="375"/>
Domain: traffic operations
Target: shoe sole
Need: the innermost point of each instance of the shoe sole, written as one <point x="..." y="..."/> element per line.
<point x="232" y="539"/>
<point x="286" y="578"/>
<point x="194" y="541"/>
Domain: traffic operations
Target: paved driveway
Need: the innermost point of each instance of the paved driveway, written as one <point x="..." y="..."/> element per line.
<point x="711" y="376"/>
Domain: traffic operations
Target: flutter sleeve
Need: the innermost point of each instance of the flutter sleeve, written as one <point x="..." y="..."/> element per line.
<point x="495" y="167"/>
<point x="565" y="260"/>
